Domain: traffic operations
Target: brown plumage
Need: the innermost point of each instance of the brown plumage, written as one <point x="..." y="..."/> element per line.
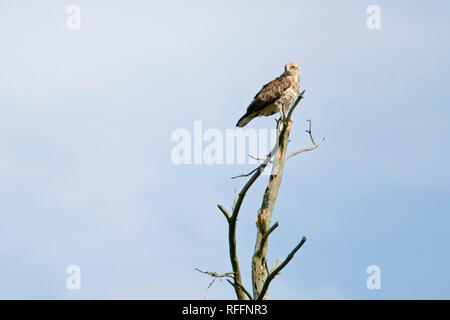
<point x="275" y="96"/>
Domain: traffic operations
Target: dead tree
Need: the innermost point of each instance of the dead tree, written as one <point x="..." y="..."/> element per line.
<point x="261" y="274"/>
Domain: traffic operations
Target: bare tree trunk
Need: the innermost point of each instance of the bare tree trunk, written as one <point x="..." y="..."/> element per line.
<point x="259" y="265"/>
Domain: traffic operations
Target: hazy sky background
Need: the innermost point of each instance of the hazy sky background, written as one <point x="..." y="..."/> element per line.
<point x="86" y="176"/>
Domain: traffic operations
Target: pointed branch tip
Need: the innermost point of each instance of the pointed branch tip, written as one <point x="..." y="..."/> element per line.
<point x="224" y="211"/>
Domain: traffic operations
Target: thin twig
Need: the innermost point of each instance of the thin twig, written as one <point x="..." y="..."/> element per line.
<point x="257" y="158"/>
<point x="266" y="235"/>
<point x="224" y="211"/>
<point x="235" y="197"/>
<point x="300" y="97"/>
<point x="246" y="174"/>
<point x="215" y="276"/>
<point x="313" y="140"/>
<point x="277" y="263"/>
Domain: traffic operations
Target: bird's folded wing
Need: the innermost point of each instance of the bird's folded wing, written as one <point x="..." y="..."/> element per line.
<point x="271" y="92"/>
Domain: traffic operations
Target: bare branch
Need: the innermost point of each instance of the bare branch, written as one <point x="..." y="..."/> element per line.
<point x="256" y="174"/>
<point x="215" y="276"/>
<point x="257" y="158"/>
<point x="246" y="174"/>
<point x="231" y="219"/>
<point x="279" y="268"/>
<point x="313" y="140"/>
<point x="235" y="197"/>
<point x="225" y="212"/>
<point x="305" y="149"/>
<point x="242" y="287"/>
<point x="265" y="236"/>
<point x="277" y="263"/>
<point x="260" y="169"/>
<point x="299" y="97"/>
<point x="309" y="131"/>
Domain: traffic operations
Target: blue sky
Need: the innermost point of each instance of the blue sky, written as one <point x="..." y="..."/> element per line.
<point x="87" y="179"/>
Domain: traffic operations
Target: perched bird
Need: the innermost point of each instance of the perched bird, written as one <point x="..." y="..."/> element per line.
<point x="276" y="96"/>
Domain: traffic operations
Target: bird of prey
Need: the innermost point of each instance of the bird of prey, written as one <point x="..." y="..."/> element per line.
<point x="275" y="96"/>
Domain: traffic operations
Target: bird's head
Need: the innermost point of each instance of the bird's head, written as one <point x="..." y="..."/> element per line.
<point x="292" y="68"/>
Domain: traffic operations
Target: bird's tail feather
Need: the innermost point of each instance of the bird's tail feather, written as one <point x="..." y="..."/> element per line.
<point x="244" y="120"/>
